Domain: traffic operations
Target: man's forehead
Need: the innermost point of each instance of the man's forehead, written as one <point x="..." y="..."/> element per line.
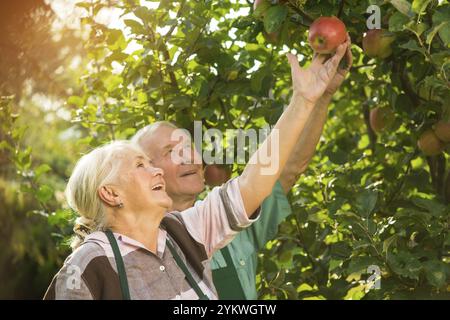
<point x="167" y="136"/>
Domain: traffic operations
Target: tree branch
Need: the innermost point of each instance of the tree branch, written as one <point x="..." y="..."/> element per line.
<point x="341" y="8"/>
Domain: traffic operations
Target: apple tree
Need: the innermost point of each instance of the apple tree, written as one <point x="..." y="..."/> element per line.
<point x="371" y="213"/>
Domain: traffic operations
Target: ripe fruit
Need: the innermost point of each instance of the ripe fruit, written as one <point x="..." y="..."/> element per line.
<point x="430" y="144"/>
<point x="326" y="34"/>
<point x="381" y="118"/>
<point x="216" y="175"/>
<point x="377" y="43"/>
<point x="442" y="131"/>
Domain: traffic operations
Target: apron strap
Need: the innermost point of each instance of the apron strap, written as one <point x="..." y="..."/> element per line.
<point x="120" y="266"/>
<point x="123" y="276"/>
<point x="188" y="275"/>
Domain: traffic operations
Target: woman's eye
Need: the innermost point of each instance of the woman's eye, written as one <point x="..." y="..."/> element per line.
<point x="140" y="165"/>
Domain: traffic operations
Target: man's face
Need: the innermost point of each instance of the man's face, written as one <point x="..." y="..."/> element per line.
<point x="173" y="153"/>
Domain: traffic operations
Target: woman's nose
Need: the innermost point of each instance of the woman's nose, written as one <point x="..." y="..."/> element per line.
<point x="157" y="171"/>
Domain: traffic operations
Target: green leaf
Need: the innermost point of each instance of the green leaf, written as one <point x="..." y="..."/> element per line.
<point x="261" y="9"/>
<point x="135" y="26"/>
<point x="405" y="265"/>
<point x="44" y="193"/>
<point x="397" y="22"/>
<point x="274" y="18"/>
<point x="403" y="6"/>
<point x="60" y="217"/>
<point x="85" y="5"/>
<point x="435" y="30"/>
<point x="143" y="13"/>
<point x="419" y="6"/>
<point x="75" y="100"/>
<point x="436" y="273"/>
<point x="43" y="168"/>
<point x="360" y="264"/>
<point x="443" y="16"/>
<point x="258" y="78"/>
<point x="5" y="145"/>
<point x="366" y="202"/>
<point x="116" y="40"/>
<point x="112" y="82"/>
<point x="413" y="46"/>
<point x="388" y="242"/>
<point x="432" y="206"/>
<point x="243" y="22"/>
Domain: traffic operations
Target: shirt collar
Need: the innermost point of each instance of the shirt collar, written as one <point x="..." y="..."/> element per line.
<point x="127" y="244"/>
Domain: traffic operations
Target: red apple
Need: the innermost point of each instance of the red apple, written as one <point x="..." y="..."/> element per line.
<point x="216" y="174"/>
<point x="381" y="118"/>
<point x="430" y="144"/>
<point x="377" y="43"/>
<point x="326" y="34"/>
<point x="442" y="131"/>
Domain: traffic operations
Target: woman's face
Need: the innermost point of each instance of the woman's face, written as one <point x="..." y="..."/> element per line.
<point x="141" y="187"/>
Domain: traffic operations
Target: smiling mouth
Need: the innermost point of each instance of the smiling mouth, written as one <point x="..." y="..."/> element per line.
<point x="189" y="173"/>
<point x="158" y="187"/>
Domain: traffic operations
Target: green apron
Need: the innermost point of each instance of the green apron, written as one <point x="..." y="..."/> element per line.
<point x="232" y="288"/>
<point x="123" y="276"/>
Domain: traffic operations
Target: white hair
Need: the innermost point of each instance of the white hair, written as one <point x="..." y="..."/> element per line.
<point x="92" y="171"/>
<point x="149" y="130"/>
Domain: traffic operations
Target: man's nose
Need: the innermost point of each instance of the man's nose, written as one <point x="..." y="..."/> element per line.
<point x="185" y="155"/>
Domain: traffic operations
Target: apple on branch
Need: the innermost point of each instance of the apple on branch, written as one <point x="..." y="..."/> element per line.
<point x="430" y="144"/>
<point x="377" y="43"/>
<point x="326" y="34"/>
<point x="381" y="118"/>
<point x="442" y="131"/>
<point x="216" y="174"/>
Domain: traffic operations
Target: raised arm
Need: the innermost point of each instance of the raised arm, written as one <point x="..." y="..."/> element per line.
<point x="306" y="145"/>
<point x="309" y="84"/>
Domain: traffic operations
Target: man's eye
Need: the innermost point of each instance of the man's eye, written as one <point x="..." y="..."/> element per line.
<point x="140" y="164"/>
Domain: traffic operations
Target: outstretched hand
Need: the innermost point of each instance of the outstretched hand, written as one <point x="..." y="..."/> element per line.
<point x="341" y="73"/>
<point x="312" y="82"/>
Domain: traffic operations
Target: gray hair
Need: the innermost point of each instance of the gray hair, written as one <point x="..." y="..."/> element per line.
<point x="92" y="171"/>
<point x="148" y="130"/>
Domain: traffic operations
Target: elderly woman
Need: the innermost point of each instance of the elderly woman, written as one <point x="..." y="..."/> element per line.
<point x="130" y="248"/>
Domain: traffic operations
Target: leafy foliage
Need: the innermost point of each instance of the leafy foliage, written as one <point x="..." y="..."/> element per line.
<point x="366" y="199"/>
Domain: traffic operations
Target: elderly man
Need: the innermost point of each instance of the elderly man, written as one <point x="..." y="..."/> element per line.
<point x="234" y="266"/>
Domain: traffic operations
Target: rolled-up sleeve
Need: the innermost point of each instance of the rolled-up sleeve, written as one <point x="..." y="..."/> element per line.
<point x="215" y="220"/>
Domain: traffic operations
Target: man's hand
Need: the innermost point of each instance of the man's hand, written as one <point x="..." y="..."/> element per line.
<point x="341" y="73"/>
<point x="306" y="145"/>
<point x="312" y="82"/>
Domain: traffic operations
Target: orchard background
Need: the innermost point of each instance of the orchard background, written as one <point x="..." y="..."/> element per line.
<point x="75" y="76"/>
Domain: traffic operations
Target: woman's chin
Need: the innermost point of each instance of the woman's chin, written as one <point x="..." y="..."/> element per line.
<point x="165" y="203"/>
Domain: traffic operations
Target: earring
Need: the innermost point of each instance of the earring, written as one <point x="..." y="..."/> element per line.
<point x="120" y="206"/>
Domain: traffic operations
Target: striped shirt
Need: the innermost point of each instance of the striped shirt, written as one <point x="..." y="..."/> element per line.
<point x="90" y="272"/>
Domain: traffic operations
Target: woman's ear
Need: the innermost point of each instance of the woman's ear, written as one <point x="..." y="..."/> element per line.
<point x="109" y="196"/>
